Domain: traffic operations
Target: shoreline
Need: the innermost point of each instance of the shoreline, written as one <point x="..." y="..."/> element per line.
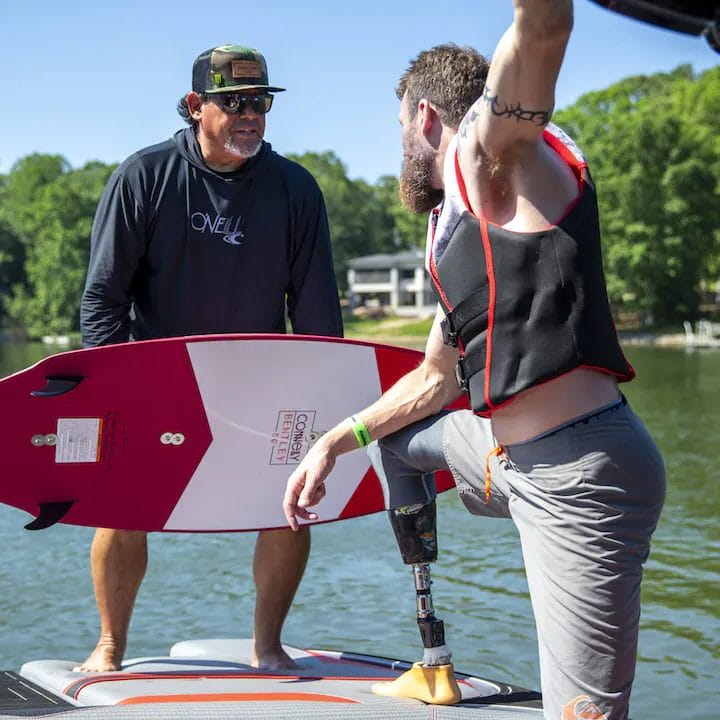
<point x="414" y="341"/>
<point x="417" y="342"/>
<point x="675" y="340"/>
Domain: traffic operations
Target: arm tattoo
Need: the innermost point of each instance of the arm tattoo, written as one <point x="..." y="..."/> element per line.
<point x="470" y="117"/>
<point x="536" y="117"/>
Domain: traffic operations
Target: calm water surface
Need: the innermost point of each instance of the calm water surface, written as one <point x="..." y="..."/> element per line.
<point x="358" y="596"/>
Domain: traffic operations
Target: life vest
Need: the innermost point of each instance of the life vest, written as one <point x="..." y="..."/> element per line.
<point x="523" y="308"/>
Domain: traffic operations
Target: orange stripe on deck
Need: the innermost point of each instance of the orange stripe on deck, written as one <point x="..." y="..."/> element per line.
<point x="238" y="697"/>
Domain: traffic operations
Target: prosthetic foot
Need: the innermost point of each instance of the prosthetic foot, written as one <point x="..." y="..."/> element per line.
<point x="434" y="685"/>
<point x="433" y="680"/>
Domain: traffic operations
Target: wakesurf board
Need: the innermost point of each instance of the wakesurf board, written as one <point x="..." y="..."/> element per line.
<point x="193" y="434"/>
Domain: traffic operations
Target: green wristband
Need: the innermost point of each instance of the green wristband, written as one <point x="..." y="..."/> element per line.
<point x="361" y="432"/>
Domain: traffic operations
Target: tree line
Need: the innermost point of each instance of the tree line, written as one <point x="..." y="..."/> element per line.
<point x="652" y="142"/>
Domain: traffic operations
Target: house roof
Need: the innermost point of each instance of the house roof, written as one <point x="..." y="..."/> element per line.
<point x="407" y="259"/>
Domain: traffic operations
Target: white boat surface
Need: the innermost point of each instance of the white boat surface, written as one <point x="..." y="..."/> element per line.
<point x="213" y="680"/>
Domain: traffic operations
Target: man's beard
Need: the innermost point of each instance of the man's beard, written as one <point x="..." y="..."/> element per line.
<point x="416" y="191"/>
<point x="245" y="149"/>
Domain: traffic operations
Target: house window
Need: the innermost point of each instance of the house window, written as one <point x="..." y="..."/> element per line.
<point x="372" y="276"/>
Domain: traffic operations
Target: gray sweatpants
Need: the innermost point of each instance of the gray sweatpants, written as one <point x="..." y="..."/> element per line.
<point x="585" y="498"/>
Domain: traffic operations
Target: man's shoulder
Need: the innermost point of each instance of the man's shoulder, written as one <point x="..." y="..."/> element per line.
<point x="148" y="159"/>
<point x="291" y="170"/>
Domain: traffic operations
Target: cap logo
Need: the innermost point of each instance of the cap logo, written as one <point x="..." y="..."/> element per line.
<point x="218" y="80"/>
<point x="246" y="69"/>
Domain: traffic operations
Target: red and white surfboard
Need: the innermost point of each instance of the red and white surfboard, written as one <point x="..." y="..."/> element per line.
<point x="195" y="434"/>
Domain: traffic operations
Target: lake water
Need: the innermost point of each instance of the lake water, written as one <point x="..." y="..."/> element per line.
<point x="357" y="595"/>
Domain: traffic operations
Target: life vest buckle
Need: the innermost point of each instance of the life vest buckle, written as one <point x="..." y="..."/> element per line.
<point x="461" y="375"/>
<point x="450" y="337"/>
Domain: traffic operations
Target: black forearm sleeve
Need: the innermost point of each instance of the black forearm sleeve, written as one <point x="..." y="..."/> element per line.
<point x="313" y="304"/>
<point x="116" y="245"/>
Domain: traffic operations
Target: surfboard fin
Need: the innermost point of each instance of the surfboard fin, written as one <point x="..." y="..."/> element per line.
<point x="50" y="513"/>
<point x="58" y="384"/>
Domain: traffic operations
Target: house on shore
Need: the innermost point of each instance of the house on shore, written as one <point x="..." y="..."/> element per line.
<point x="395" y="283"/>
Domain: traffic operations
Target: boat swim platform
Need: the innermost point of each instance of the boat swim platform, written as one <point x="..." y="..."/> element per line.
<point x="214" y="680"/>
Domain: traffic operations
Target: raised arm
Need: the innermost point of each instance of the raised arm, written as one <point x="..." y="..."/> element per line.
<point x="519" y="94"/>
<point x="419" y="394"/>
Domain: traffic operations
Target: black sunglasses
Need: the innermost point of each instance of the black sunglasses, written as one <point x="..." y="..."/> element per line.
<point x="235" y="103"/>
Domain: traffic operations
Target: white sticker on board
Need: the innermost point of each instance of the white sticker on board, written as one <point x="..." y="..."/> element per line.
<point x="78" y="440"/>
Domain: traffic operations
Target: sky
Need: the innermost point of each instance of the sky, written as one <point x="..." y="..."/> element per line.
<point x="100" y="79"/>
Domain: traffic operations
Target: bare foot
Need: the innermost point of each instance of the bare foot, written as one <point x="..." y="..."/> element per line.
<point x="274" y="659"/>
<point x="106" y="657"/>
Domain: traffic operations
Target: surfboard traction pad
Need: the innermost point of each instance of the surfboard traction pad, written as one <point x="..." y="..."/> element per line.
<point x="18" y="695"/>
<point x="328" y="685"/>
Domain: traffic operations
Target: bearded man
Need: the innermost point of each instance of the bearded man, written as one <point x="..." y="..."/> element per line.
<point x="524" y="327"/>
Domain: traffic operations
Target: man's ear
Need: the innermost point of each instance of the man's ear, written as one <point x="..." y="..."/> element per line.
<point x="194" y="103"/>
<point x="429" y="122"/>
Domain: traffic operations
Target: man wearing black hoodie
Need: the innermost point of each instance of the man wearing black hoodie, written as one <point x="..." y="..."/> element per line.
<point x="208" y="232"/>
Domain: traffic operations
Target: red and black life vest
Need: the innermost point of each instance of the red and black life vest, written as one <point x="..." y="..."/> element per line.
<point x="523" y="308"/>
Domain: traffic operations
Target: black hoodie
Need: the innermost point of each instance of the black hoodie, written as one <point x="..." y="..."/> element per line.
<point x="179" y="249"/>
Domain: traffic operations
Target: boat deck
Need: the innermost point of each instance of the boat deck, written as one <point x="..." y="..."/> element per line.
<point x="213" y="679"/>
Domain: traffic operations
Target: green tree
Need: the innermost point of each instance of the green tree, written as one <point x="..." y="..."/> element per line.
<point x="359" y="223"/>
<point x="23" y="184"/>
<point x="409" y="229"/>
<point x="18" y="191"/>
<point x="59" y="220"/>
<point x="12" y="258"/>
<point x="655" y="160"/>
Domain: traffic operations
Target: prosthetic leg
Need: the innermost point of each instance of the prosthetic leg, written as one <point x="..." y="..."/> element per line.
<point x="433" y="679"/>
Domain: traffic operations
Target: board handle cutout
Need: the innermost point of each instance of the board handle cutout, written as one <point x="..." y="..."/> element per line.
<point x="50" y="513"/>
<point x="58" y="384"/>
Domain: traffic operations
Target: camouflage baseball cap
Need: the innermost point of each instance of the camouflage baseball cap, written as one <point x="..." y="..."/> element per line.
<point x="230" y="68"/>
